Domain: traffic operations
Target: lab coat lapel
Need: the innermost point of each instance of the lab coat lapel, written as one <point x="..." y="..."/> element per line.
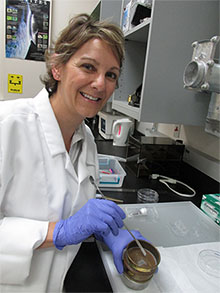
<point x="87" y="161"/>
<point x="86" y="165"/>
<point x="69" y="167"/>
<point x="49" y="124"/>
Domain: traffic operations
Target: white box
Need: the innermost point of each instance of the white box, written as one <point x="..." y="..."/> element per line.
<point x="111" y="173"/>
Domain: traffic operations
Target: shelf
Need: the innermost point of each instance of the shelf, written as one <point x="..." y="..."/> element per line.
<point x="139" y="33"/>
<point x="123" y="107"/>
<point x="156" y="53"/>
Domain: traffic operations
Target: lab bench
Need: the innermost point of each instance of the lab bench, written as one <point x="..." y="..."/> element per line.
<point x="87" y="272"/>
<point x="187" y="241"/>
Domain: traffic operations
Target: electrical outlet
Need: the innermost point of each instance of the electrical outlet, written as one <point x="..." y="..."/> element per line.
<point x="176" y="130"/>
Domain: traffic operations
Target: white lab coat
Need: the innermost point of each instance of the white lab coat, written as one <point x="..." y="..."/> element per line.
<point x="38" y="184"/>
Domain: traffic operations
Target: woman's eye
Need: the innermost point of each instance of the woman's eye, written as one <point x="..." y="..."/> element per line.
<point x="112" y="75"/>
<point x="89" y="67"/>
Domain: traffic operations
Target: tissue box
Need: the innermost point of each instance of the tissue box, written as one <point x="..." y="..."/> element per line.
<point x="210" y="205"/>
<point x="111" y="173"/>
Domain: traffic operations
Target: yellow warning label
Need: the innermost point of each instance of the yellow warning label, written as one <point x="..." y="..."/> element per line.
<point x="15" y="83"/>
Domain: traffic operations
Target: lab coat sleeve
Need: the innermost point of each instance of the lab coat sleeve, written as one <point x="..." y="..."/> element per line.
<point x="19" y="237"/>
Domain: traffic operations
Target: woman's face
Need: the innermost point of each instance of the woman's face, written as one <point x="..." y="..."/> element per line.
<point x="88" y="79"/>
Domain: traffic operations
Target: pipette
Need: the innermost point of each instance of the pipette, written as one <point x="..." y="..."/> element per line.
<point x="92" y="180"/>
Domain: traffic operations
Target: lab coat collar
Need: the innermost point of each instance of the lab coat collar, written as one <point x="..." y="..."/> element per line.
<point x="53" y="133"/>
<point x="49" y="123"/>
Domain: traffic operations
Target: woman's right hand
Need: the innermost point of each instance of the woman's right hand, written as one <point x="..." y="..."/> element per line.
<point x="96" y="216"/>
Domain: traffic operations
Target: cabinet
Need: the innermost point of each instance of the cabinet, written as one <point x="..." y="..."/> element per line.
<point x="108" y="9"/>
<point x="157" y="52"/>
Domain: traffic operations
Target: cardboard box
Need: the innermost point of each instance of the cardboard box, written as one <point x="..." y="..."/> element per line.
<point x="210" y="205"/>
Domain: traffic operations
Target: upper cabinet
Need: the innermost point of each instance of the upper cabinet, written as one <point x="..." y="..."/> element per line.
<point x="108" y="9"/>
<point x="157" y="52"/>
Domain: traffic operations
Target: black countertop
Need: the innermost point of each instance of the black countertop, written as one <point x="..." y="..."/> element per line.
<point x="185" y="173"/>
<point x="87" y="273"/>
<point x="197" y="180"/>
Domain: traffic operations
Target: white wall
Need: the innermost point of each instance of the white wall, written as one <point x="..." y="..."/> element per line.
<point x="202" y="148"/>
<point x="195" y="137"/>
<point x="62" y="11"/>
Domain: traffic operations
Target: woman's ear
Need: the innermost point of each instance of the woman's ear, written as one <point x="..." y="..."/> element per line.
<point x="56" y="73"/>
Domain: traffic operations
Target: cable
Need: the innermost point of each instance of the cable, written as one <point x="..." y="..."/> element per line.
<point x="166" y="180"/>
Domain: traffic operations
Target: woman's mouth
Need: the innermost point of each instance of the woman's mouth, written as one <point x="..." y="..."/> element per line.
<point x="91" y="98"/>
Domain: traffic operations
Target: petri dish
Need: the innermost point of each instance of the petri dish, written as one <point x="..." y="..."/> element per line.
<point x="147" y="195"/>
<point x="209" y="262"/>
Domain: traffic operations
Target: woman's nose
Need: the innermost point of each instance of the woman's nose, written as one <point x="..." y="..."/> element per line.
<point x="99" y="82"/>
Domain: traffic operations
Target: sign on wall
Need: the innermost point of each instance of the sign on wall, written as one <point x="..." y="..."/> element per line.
<point x="27" y="28"/>
<point x="15" y="83"/>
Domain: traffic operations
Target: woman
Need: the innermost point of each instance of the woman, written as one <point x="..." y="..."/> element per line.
<point x="48" y="204"/>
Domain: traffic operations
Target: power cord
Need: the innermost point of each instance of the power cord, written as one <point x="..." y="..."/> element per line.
<point x="167" y="180"/>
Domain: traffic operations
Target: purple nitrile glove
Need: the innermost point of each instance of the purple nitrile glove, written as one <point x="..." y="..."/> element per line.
<point x="118" y="243"/>
<point x="96" y="216"/>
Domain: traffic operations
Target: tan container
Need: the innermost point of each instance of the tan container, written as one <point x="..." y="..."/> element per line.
<point x="139" y="269"/>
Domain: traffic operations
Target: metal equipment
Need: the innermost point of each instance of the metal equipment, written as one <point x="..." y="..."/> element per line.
<point x="203" y="74"/>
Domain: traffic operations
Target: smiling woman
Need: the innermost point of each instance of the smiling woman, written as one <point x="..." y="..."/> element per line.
<point x="82" y="71"/>
<point x="46" y="197"/>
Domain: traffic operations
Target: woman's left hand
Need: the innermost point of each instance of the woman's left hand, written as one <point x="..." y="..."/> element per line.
<point x="118" y="243"/>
